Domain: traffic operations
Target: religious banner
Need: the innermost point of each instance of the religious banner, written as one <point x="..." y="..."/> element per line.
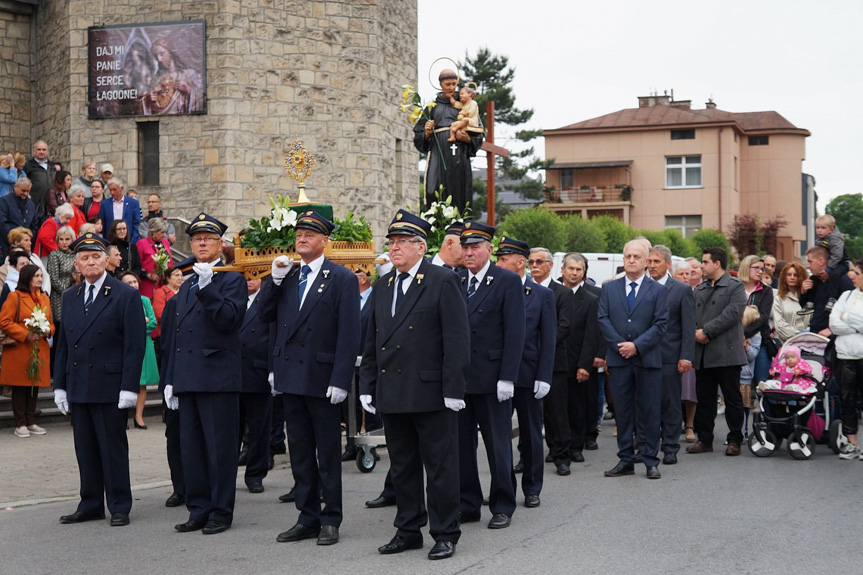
<point x="154" y="69"/>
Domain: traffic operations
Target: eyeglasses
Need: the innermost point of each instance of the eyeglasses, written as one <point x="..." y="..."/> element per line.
<point x="200" y="240"/>
<point x="402" y="243"/>
<point x="537" y="262"/>
<point x="757" y="268"/>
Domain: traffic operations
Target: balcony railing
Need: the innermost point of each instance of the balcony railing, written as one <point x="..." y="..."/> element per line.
<point x="590" y="194"/>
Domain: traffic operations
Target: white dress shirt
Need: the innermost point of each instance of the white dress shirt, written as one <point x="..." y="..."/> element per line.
<point x="315" y="266"/>
<point x="96" y="291"/>
<point x="405" y="283"/>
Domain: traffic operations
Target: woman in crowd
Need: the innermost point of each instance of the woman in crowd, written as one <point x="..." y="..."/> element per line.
<point x="46" y="239"/>
<point x="76" y="200"/>
<point x="22" y="238"/>
<point x="88" y="176"/>
<point x="149" y="371"/>
<point x="682" y="271"/>
<point x="17" y="260"/>
<point x="171" y="283"/>
<point x="118" y="235"/>
<point x="18" y="307"/>
<point x="60" y="266"/>
<point x="58" y="195"/>
<point x="787" y="303"/>
<point x="8" y="174"/>
<point x="695" y="275"/>
<point x="157" y="229"/>
<point x="761" y="296"/>
<point x="846" y="323"/>
<point x="93" y="204"/>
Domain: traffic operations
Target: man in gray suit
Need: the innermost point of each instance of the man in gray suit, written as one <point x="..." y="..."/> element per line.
<point x="719" y="304"/>
<point x="678" y="348"/>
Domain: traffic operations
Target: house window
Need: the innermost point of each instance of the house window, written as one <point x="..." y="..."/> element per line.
<point x="683" y="172"/>
<point x="759" y="140"/>
<point x="682" y="134"/>
<point x="686" y="225"/>
<point x="566" y="179"/>
<point x="148" y="153"/>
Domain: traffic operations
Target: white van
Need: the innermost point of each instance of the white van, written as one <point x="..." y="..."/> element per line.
<point x="600" y="267"/>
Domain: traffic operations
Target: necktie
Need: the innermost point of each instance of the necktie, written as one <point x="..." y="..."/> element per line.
<point x="90" y="297"/>
<point x="301" y="288"/>
<point x="630" y="298"/>
<point x="472" y="289"/>
<point x="399" y="293"/>
<point x="193" y="287"/>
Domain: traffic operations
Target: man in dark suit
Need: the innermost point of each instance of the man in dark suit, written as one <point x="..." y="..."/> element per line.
<point x="17" y="210"/>
<point x="540" y="263"/>
<point x="719" y="304"/>
<point x="120" y="206"/>
<point x="317" y="313"/>
<point x="204" y="380"/>
<point x="256" y="400"/>
<point x="677" y="347"/>
<point x="633" y="316"/>
<point x="414" y="370"/>
<point x="537" y="363"/>
<point x="172" y="416"/>
<point x="495" y="307"/>
<point x="570" y="394"/>
<point x="100" y="350"/>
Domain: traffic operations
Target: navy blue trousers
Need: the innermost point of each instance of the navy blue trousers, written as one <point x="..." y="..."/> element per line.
<point x="637" y="391"/>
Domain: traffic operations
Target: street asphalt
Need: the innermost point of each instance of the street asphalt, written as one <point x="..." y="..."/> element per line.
<point x="709" y="514"/>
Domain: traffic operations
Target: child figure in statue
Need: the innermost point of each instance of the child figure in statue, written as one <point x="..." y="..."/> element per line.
<point x="469" y="115"/>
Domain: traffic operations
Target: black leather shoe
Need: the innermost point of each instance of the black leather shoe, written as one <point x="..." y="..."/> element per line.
<point x="329" y="535"/>
<point x="244" y="459"/>
<point x="380" y="502"/>
<point x="119" y="519"/>
<point x="563" y="469"/>
<point x="620" y="470"/>
<point x="549" y="458"/>
<point x="288" y="497"/>
<point x="442" y="550"/>
<point x="653" y="472"/>
<point x="468" y="517"/>
<point x="519" y="467"/>
<point x="639" y="458"/>
<point x="499" y="521"/>
<point x="190" y="525"/>
<point x="669" y="459"/>
<point x="399" y="544"/>
<point x="256" y="488"/>
<point x="531" y="500"/>
<point x="577" y="457"/>
<point x="213" y="527"/>
<point x="298" y="532"/>
<point x="485" y="501"/>
<point x="81" y="517"/>
<point x="349" y="455"/>
<point x="175" y="500"/>
<point x="278" y="449"/>
<point x="591" y="445"/>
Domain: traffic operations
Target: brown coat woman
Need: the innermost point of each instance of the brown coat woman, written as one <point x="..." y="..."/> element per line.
<point x="13" y="367"/>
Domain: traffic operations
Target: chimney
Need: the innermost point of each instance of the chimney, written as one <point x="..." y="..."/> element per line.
<point x="685" y="104"/>
<point x="710" y="105"/>
<point x="653" y="100"/>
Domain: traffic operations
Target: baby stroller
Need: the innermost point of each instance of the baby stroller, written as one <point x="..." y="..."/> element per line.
<point x="792" y="415"/>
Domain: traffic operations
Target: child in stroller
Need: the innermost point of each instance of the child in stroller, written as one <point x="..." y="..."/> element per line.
<point x="790" y="372"/>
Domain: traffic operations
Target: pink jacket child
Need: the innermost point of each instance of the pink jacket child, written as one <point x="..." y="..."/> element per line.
<point x="785" y="370"/>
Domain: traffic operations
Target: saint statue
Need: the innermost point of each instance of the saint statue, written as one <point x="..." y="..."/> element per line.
<point x="448" y="163"/>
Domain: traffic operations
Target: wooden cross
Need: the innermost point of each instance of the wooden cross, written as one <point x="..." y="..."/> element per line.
<point x="491" y="149"/>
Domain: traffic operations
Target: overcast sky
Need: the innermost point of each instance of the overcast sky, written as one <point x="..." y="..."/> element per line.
<point x="576" y="60"/>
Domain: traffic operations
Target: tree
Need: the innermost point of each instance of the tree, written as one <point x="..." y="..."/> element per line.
<point x="848" y="212"/>
<point x="582" y="235"/>
<point x="748" y="234"/>
<point x="615" y="231"/>
<point x="536" y="226"/>
<point x="709" y="239"/>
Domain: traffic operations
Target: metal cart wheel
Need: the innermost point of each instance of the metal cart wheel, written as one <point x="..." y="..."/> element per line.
<point x="837" y="438"/>
<point x="801" y="444"/>
<point x="366" y="459"/>
<point x="762" y="442"/>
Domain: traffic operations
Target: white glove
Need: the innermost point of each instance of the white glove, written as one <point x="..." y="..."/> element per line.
<point x="540" y="389"/>
<point x="366" y="401"/>
<point x="280" y="271"/>
<point x="271" y="379"/>
<point x="171" y="399"/>
<point x="61" y="402"/>
<point x="453" y="404"/>
<point x="505" y="390"/>
<point x="336" y="394"/>
<point x="127" y="399"/>
<point x="205" y="274"/>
